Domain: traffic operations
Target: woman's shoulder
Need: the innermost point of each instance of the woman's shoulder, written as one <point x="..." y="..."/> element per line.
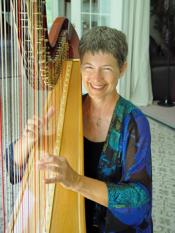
<point x="132" y="115"/>
<point x="128" y="108"/>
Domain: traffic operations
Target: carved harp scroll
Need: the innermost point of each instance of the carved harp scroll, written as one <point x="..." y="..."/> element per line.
<point x="39" y="71"/>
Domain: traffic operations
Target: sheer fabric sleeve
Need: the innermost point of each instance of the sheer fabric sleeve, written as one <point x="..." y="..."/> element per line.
<point x="15" y="172"/>
<point x="130" y="199"/>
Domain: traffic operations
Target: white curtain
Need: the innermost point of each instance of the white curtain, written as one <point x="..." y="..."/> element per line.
<point x="135" y="85"/>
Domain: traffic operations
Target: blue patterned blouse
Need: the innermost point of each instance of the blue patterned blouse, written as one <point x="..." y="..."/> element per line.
<point x="125" y="166"/>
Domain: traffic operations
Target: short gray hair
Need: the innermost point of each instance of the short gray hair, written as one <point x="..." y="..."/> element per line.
<point x="107" y="40"/>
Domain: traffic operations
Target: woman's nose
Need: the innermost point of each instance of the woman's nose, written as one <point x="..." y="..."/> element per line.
<point x="97" y="75"/>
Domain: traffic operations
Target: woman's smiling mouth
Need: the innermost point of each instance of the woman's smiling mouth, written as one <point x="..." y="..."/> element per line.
<point x="96" y="87"/>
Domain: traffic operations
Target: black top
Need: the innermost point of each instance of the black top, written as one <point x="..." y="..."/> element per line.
<point x="92" y="151"/>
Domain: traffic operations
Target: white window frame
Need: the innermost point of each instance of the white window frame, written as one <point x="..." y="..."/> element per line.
<point x="115" y="16"/>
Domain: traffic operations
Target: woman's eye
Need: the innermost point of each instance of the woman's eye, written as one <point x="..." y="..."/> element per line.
<point x="107" y="69"/>
<point x="88" y="67"/>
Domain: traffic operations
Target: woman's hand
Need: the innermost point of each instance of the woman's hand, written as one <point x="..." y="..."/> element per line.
<point x="34" y="129"/>
<point x="58" y="170"/>
<point x="37" y="127"/>
<point x="61" y="171"/>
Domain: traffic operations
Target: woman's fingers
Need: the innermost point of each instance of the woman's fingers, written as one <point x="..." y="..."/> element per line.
<point x="50" y="163"/>
<point x="48" y="127"/>
<point x="38" y="126"/>
<point x="62" y="171"/>
<point x="53" y="165"/>
<point x="51" y="180"/>
<point x="56" y="179"/>
<point x="50" y="159"/>
<point x="50" y="167"/>
<point x="33" y="124"/>
<point x="49" y="114"/>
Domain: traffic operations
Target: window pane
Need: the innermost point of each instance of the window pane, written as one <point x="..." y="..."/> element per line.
<point x="85" y="6"/>
<point x="104" y="6"/>
<point x="95" y="6"/>
<point x="52" y="11"/>
<point x="95" y="20"/>
<point x="85" y="23"/>
<point x="104" y="20"/>
<point x="49" y="14"/>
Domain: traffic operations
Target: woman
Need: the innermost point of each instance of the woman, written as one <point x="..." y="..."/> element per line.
<point x="117" y="181"/>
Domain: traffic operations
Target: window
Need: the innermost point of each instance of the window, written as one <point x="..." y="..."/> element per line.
<point x="54" y="9"/>
<point x="94" y="13"/>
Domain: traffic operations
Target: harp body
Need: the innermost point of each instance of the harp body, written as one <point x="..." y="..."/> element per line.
<point x="52" y="208"/>
<point x="49" y="208"/>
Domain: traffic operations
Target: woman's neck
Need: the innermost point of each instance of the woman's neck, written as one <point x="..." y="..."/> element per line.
<point x="97" y="115"/>
<point x="102" y="104"/>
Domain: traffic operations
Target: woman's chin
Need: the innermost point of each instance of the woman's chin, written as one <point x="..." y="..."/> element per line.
<point x="96" y="95"/>
<point x="96" y="91"/>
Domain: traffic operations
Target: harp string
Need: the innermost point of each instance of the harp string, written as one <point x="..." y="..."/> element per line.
<point x="22" y="88"/>
<point x="22" y="23"/>
<point x="1" y="143"/>
<point x="18" y="91"/>
<point x="3" y="69"/>
<point x="10" y="81"/>
<point x="4" y="82"/>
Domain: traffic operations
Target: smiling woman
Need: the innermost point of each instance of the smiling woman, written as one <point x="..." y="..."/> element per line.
<point x="100" y="73"/>
<point x="117" y="182"/>
<point x="117" y="177"/>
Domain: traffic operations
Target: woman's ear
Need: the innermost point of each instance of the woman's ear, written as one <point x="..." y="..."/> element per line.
<point x="123" y="68"/>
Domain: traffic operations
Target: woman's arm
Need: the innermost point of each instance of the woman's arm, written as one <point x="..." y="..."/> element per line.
<point x="63" y="173"/>
<point x="130" y="199"/>
<point x="18" y="152"/>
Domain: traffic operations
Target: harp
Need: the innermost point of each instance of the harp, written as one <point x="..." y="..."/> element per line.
<point x="39" y="70"/>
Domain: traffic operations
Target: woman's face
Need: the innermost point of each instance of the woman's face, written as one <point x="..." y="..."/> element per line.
<point x="100" y="74"/>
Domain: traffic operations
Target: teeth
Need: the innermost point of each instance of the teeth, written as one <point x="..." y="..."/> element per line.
<point x="97" y="86"/>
